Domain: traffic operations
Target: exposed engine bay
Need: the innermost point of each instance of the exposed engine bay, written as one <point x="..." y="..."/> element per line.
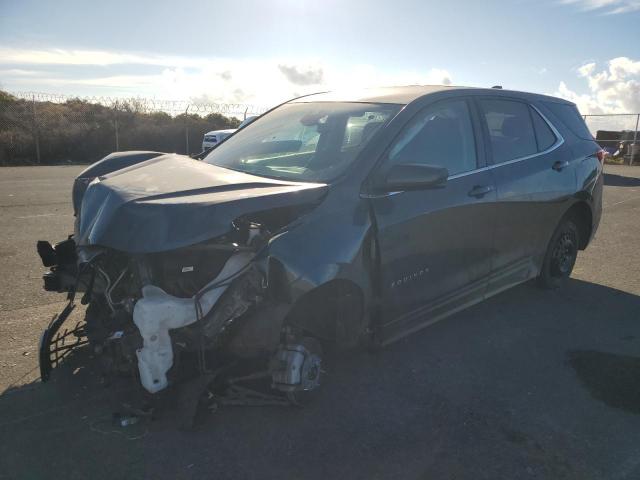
<point x="172" y="317"/>
<point x="147" y="312"/>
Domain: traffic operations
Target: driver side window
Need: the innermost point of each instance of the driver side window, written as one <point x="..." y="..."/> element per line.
<point x="441" y="135"/>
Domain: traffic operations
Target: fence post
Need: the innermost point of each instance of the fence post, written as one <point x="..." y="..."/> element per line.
<point x="186" y="128"/>
<point x="635" y="140"/>
<point x="115" y="125"/>
<point x="34" y="128"/>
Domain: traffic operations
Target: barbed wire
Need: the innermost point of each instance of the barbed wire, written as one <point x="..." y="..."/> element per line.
<point x="46" y="127"/>
<point x="147" y="104"/>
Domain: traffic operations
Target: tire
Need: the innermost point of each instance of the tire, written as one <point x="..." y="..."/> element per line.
<point x="561" y="255"/>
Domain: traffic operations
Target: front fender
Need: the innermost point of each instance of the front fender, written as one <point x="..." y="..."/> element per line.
<point x="329" y="246"/>
<point x="110" y="163"/>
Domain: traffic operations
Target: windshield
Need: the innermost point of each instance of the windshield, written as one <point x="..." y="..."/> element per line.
<point x="308" y="142"/>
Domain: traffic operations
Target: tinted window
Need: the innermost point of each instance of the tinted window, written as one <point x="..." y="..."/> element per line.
<point x="441" y="135"/>
<point x="312" y="142"/>
<point x="361" y="127"/>
<point x="544" y="134"/>
<point x="569" y="115"/>
<point x="510" y="129"/>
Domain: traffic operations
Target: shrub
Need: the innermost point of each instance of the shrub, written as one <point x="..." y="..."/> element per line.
<point x="83" y="132"/>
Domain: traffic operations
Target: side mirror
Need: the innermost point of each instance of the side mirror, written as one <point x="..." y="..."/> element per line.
<point x="415" y="177"/>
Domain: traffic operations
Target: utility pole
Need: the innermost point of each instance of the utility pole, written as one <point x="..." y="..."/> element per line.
<point x="634" y="146"/>
<point x="34" y="128"/>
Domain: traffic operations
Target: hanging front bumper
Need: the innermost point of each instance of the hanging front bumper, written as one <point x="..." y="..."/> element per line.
<point x="56" y="345"/>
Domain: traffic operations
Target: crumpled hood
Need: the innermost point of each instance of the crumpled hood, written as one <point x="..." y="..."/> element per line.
<point x="173" y="201"/>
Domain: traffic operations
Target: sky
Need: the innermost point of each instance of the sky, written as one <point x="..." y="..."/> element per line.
<point x="264" y="52"/>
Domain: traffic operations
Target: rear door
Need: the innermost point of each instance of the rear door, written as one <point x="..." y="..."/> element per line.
<point x="535" y="179"/>
<point x="436" y="243"/>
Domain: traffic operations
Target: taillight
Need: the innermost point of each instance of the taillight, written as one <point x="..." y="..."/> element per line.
<point x="600" y="155"/>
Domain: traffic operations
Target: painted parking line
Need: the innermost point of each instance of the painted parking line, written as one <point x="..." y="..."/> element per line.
<point x="47" y="215"/>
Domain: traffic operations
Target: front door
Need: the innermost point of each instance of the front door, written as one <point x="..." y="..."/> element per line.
<point x="435" y="244"/>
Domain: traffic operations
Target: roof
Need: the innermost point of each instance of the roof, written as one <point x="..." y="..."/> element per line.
<point x="401" y="95"/>
<point x="216" y="132"/>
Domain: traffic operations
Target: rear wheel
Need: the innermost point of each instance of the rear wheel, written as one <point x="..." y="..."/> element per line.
<point x="561" y="255"/>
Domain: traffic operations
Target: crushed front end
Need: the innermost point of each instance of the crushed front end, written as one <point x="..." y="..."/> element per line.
<point x="206" y="306"/>
<point x="190" y="314"/>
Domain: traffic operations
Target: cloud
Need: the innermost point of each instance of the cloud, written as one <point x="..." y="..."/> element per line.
<point x="21" y="72"/>
<point x="587" y="69"/>
<point x="438" y="76"/>
<point x="57" y="56"/>
<point x="614" y="89"/>
<point x="261" y="82"/>
<point x="302" y="75"/>
<point x="610" y="7"/>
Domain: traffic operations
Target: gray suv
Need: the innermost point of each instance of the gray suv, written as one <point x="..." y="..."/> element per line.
<point x="333" y="219"/>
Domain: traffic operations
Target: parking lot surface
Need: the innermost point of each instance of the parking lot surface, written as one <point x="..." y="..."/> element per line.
<point x="529" y="384"/>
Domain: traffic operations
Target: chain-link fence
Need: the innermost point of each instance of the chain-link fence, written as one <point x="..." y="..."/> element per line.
<point x="40" y="128"/>
<point x="618" y="135"/>
<point x="37" y="128"/>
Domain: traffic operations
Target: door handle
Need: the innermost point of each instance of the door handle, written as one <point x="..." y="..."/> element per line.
<point x="560" y="165"/>
<point x="480" y="190"/>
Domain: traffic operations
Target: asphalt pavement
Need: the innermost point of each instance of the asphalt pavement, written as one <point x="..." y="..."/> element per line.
<point x="529" y="384"/>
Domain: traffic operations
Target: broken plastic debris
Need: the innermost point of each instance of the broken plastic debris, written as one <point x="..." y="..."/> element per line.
<point x="116" y="335"/>
<point x="125" y="420"/>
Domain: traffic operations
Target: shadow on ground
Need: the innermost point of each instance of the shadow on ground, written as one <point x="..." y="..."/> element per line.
<point x="611" y="378"/>
<point x="614" y="180"/>
<point x="487" y="393"/>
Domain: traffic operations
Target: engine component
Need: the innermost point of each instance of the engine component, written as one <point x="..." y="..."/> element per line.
<point x="296" y="367"/>
<point x="62" y="259"/>
<point x="61" y="253"/>
<point x="242" y="294"/>
<point x="157" y="312"/>
<point x="183" y="272"/>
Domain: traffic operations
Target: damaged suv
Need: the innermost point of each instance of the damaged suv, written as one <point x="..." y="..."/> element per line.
<point x="333" y="219"/>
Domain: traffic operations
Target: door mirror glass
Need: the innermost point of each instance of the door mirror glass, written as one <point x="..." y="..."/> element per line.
<point x="415" y="176"/>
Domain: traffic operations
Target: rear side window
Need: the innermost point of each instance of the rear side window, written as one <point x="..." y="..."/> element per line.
<point x="510" y="129"/>
<point x="544" y="135"/>
<point x="570" y="116"/>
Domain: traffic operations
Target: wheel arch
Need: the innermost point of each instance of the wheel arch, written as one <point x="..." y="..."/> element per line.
<point x="333" y="311"/>
<point x="581" y="213"/>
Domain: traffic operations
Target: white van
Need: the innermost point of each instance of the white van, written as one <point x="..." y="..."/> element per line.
<point x="214" y="137"/>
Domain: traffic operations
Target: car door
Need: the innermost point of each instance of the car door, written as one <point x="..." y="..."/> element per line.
<point x="434" y="243"/>
<point x="533" y="179"/>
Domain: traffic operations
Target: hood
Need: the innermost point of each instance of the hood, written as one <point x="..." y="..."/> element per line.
<point x="110" y="163"/>
<point x="173" y="201"/>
